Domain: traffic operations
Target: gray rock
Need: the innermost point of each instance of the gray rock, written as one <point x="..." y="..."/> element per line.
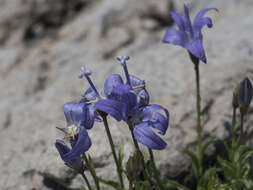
<point x="39" y="76"/>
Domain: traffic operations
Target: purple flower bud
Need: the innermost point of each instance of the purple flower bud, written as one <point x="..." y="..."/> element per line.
<point x="245" y="94"/>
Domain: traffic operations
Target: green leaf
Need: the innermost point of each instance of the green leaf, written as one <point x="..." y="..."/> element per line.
<point x="142" y="185"/>
<point x="174" y="184"/>
<point x="229" y="170"/>
<point x="195" y="162"/>
<point x="91" y="164"/>
<point x="206" y="145"/>
<point x="111" y="183"/>
<point x="209" y="180"/>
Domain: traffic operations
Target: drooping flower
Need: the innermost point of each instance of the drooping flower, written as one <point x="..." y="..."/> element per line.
<point x="80" y="144"/>
<point x="80" y="114"/>
<point x="151" y="118"/>
<point x="189" y="35"/>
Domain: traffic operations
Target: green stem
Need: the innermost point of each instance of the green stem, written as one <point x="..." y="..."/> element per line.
<point x="241" y="129"/>
<point x="92" y="172"/>
<point x="195" y="61"/>
<point x="151" y="156"/>
<point x="234" y="123"/>
<point x="157" y="175"/>
<point x="86" y="180"/>
<point x="198" y="106"/>
<point x="113" y="150"/>
<point x="142" y="157"/>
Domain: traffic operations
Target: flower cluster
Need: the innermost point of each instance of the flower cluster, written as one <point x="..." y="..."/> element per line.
<point x="125" y="101"/>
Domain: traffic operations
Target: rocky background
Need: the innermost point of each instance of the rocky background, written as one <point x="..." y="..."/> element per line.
<point x="43" y="44"/>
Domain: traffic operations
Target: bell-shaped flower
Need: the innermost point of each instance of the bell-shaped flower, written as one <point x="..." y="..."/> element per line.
<point x="121" y="101"/>
<point x="189" y="35"/>
<point x="151" y="118"/>
<point x="245" y="94"/>
<point x="82" y="113"/>
<point x="79" y="144"/>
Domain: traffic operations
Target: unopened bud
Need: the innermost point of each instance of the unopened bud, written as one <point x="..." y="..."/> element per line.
<point x="134" y="167"/>
<point x="245" y="95"/>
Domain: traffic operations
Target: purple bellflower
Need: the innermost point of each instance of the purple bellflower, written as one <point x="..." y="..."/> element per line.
<point x="83" y="113"/>
<point x="189" y="35"/>
<point x="122" y="100"/>
<point x="147" y="119"/>
<point x="130" y="102"/>
<point x="80" y="143"/>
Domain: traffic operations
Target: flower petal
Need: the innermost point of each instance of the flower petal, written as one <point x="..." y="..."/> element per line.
<point x="142" y="93"/>
<point x="61" y="147"/>
<point x="200" y="21"/>
<point x="188" y="25"/>
<point x="146" y="136"/>
<point x="79" y="113"/>
<point x="143" y="98"/>
<point x="179" y="20"/>
<point x="112" y="81"/>
<point x="90" y="94"/>
<point x="63" y="150"/>
<point x="156" y="119"/>
<point x="176" y="37"/>
<point x="112" y="107"/>
<point x="89" y="116"/>
<point x="135" y="81"/>
<point x="82" y="145"/>
<point x="196" y="48"/>
<point x="67" y="108"/>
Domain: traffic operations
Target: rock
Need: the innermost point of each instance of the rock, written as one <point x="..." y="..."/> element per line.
<point x="39" y="75"/>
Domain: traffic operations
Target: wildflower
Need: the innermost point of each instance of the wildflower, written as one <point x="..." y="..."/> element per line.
<point x="245" y="94"/>
<point x="130" y="102"/>
<point x="122" y="100"/>
<point x="189" y="35"/>
<point x="152" y="118"/>
<point x="80" y="114"/>
<point x="80" y="144"/>
<point x="83" y="113"/>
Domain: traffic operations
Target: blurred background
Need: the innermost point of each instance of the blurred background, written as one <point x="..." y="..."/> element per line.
<point x="43" y="44"/>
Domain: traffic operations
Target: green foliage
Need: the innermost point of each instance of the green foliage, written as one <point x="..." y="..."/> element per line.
<point x="236" y="169"/>
<point x="114" y="184"/>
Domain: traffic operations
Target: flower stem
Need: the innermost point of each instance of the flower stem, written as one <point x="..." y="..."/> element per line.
<point x="198" y="106"/>
<point x="113" y="149"/>
<point x="138" y="149"/>
<point x="157" y="175"/>
<point x="195" y="61"/>
<point x="86" y="180"/>
<point x="151" y="156"/>
<point x="92" y="172"/>
<point x="241" y="129"/>
<point x="233" y="123"/>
